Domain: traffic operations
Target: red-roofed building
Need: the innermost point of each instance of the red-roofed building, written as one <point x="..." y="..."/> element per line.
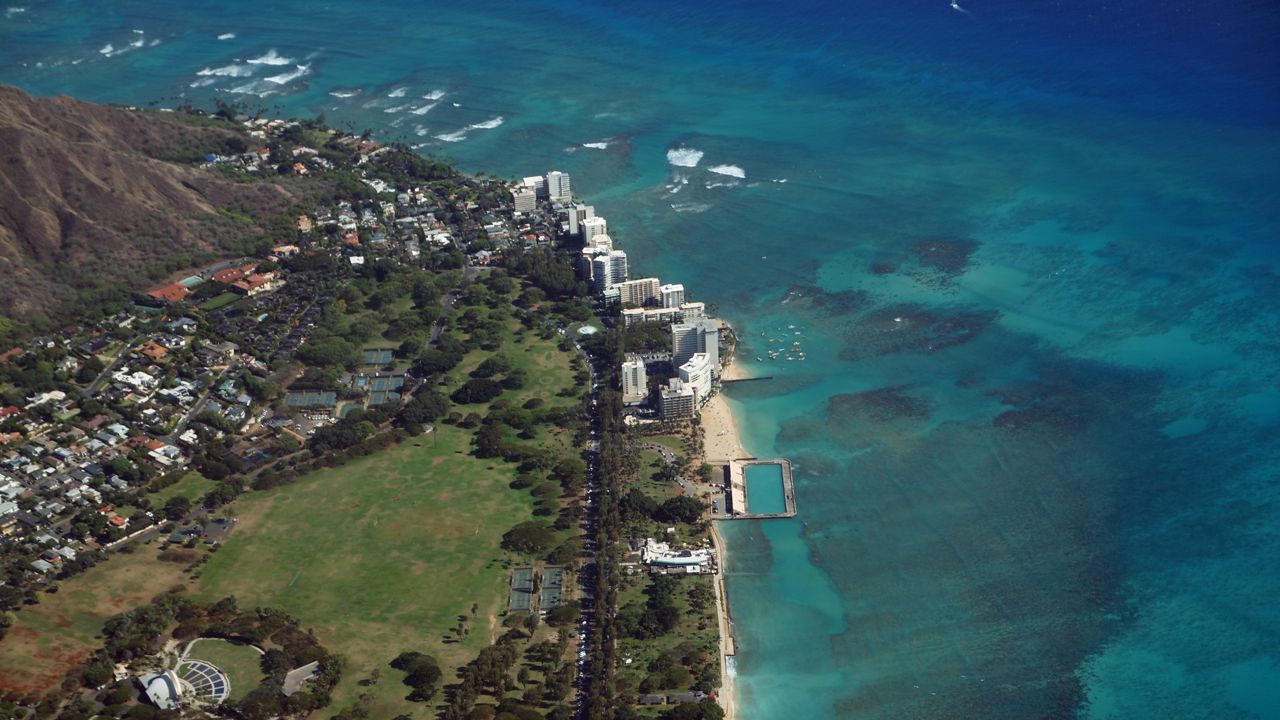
<point x="228" y="276"/>
<point x="254" y="284"/>
<point x="170" y="293"/>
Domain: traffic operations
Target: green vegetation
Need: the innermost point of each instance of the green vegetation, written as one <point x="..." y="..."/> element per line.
<point x="359" y="552"/>
<point x="241" y="663"/>
<point x="218" y="302"/>
<point x="191" y="486"/>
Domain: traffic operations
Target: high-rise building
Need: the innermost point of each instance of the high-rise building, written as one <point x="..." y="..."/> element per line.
<point x="538" y="184"/>
<point x="676" y="401"/>
<point x="698" y="374"/>
<point x="608" y="270"/>
<point x="672" y="295"/>
<point x="525" y="200"/>
<point x="696" y="336"/>
<point x="558" y="186"/>
<point x="633" y="293"/>
<point x="577" y="214"/>
<point x="635" y="380"/>
<point x="592" y="227"/>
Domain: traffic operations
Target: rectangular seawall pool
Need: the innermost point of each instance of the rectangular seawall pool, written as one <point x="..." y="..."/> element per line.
<point x="765" y="492"/>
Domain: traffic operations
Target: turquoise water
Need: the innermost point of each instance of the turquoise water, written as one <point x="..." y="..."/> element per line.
<point x="1030" y="252"/>
<point x="765" y="493"/>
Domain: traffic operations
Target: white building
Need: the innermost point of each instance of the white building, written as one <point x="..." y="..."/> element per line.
<point x="537" y="184"/>
<point x="592" y="227"/>
<point x="637" y="292"/>
<point x="524" y="199"/>
<point x="558" y="186"/>
<point x="577" y="214"/>
<point x="698" y="374"/>
<point x="684" y="313"/>
<point x="635" y="380"/>
<point x="608" y="270"/>
<point x="696" y="336"/>
<point x="672" y="295"/>
<point x="676" y="401"/>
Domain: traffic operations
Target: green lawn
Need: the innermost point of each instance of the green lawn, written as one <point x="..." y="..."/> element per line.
<point x="192" y="486"/>
<point x="219" y="301"/>
<point x="241" y="663"/>
<point x="379" y="556"/>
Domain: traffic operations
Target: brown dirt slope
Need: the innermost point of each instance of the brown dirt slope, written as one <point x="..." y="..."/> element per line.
<point x="89" y="195"/>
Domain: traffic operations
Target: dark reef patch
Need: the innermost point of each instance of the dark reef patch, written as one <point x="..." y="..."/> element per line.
<point x="830" y="302"/>
<point x="880" y="405"/>
<point x="912" y="328"/>
<point x="947" y="255"/>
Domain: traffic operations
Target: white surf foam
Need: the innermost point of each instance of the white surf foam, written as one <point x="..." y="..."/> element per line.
<point x="424" y="109"/>
<point x="271" y="58"/>
<point x="452" y="137"/>
<point x="684" y="157"/>
<point x="434" y="95"/>
<point x="345" y="93"/>
<point x="421" y="130"/>
<point x="602" y="145"/>
<point x="730" y="170"/>
<point x="690" y="207"/>
<point x="489" y="124"/>
<point x="139" y="32"/>
<point x="232" y="70"/>
<point x="227" y="36"/>
<point x="107" y="49"/>
<point x="261" y="88"/>
<point x="398" y="92"/>
<point x="203" y="82"/>
<point x="395" y="109"/>
<point x="13" y="10"/>
<point x="457" y="104"/>
<point x="286" y="78"/>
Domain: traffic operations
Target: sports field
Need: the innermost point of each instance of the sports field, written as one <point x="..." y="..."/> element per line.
<point x="379" y="556"/>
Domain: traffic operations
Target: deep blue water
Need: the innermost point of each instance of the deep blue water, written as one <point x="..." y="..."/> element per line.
<point x="1030" y="249"/>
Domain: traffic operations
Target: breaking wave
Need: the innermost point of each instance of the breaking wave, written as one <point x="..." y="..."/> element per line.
<point x="227" y="36"/>
<point x="286" y="78"/>
<point x="730" y="170"/>
<point x="232" y="70"/>
<point x="271" y="58"/>
<point x="398" y="92"/>
<point x="684" y="157"/>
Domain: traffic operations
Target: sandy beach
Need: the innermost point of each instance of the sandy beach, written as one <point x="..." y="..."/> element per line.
<point x="721" y="442"/>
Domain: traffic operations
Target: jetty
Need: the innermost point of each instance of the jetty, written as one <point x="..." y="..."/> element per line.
<point x="736" y="506"/>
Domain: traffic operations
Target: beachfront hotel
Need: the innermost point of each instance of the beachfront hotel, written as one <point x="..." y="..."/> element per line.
<point x="672" y="295"/>
<point x="698" y="373"/>
<point x="577" y="214"/>
<point x="676" y="401"/>
<point x="558" y="186"/>
<point x="697" y="336"/>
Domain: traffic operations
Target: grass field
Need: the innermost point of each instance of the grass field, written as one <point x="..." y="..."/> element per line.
<point x="241" y="663"/>
<point x="192" y="486"/>
<point x="48" y="638"/>
<point x="379" y="556"/>
<point x="219" y="301"/>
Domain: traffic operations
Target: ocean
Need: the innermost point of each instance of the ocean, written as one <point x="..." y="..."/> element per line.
<point x="1012" y="266"/>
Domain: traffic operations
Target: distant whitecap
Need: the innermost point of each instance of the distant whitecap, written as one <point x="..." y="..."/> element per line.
<point x="684" y="157"/>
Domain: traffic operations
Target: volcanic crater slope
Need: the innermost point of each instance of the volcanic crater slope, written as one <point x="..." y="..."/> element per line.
<point x="94" y="195"/>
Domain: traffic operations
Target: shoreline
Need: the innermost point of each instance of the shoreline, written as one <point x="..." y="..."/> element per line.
<point x="722" y="442"/>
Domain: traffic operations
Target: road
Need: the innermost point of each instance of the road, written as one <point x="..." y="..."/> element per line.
<point x="105" y="375"/>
